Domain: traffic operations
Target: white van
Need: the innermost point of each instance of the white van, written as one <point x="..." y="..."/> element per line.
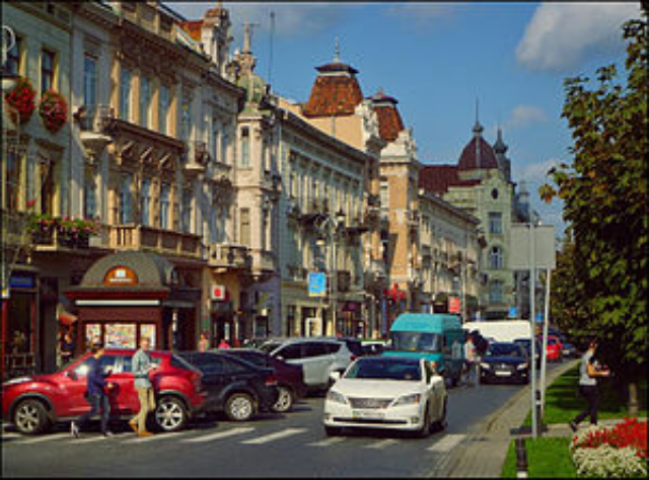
<point x="501" y="330"/>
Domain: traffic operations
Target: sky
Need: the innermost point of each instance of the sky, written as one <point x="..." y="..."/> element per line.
<point x="441" y="61"/>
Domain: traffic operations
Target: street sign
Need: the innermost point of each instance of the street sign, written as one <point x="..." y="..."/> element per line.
<point x="454" y="305"/>
<point x="544" y="247"/>
<point x="317" y="284"/>
<point x="539" y="318"/>
<point x="217" y="292"/>
<point x="513" y="312"/>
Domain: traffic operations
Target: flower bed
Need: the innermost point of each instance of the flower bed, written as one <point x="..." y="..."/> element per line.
<point x="619" y="451"/>
<point x="21" y="99"/>
<point x="53" y="110"/>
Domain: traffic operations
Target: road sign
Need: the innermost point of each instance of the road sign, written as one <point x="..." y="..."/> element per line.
<point x="218" y="292"/>
<point x="454" y="305"/>
<point x="539" y="318"/>
<point x="317" y="284"/>
<point x="513" y="312"/>
<point x="544" y="247"/>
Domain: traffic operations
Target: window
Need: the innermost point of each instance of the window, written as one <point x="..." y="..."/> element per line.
<point x="125" y="95"/>
<point x="89" y="81"/>
<point x="496" y="222"/>
<point x="496" y="292"/>
<point x="145" y="199"/>
<point x="164" y="109"/>
<point x="245" y="226"/>
<point x="215" y="142"/>
<point x="313" y="349"/>
<point x="47" y="70"/>
<point x="13" y="58"/>
<point x="125" y="200"/>
<point x="245" y="147"/>
<point x="90" y="196"/>
<point x="145" y="102"/>
<point x="165" y="192"/>
<point x="233" y="367"/>
<point x="186" y="219"/>
<point x="495" y="258"/>
<point x="290" y="352"/>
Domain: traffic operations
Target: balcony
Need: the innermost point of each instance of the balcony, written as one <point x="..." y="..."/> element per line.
<point x="93" y="121"/>
<point x="229" y="256"/>
<point x="164" y="242"/>
<point x="196" y="158"/>
<point x="272" y="180"/>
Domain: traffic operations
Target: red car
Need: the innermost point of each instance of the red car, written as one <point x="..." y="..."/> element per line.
<point x="554" y="350"/>
<point x="34" y="403"/>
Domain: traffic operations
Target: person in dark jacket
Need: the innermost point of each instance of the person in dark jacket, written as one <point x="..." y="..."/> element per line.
<point x="95" y="393"/>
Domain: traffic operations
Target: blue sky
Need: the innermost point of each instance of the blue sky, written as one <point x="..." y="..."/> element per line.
<point x="438" y="58"/>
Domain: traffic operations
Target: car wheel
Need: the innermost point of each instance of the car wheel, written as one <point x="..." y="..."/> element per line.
<point x="333" y="431"/>
<point x="424" y="431"/>
<point x="440" y="424"/>
<point x="170" y="414"/>
<point x="284" y="401"/>
<point x="30" y="417"/>
<point x="240" y="407"/>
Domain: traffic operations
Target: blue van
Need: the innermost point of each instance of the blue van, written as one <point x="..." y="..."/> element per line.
<point x="436" y="337"/>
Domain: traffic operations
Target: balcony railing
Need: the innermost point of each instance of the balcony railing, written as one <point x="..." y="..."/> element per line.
<point x="160" y="241"/>
<point x="229" y="256"/>
<point x="94" y="118"/>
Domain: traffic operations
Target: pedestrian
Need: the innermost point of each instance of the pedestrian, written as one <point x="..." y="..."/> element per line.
<point x="203" y="343"/>
<point x="142" y="366"/>
<point x="223" y="344"/>
<point x="95" y="393"/>
<point x="470" y="362"/>
<point x="589" y="371"/>
<point x="68" y="346"/>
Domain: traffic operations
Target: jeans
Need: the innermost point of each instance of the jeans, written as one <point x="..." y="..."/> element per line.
<point x="97" y="401"/>
<point x="590" y="393"/>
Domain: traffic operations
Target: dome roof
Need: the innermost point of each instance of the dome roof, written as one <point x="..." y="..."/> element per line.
<point x="254" y="86"/>
<point x="478" y="154"/>
<point x="152" y="269"/>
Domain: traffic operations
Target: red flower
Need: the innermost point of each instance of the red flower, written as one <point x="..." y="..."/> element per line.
<point x="21" y="98"/>
<point x="53" y="110"/>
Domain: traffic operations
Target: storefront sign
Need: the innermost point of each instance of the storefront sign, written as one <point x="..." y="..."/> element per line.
<point x="454" y="305"/>
<point x="22" y="281"/>
<point x="120" y="277"/>
<point x="217" y="293"/>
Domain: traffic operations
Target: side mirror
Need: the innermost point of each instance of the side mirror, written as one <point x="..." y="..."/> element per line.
<point x="335" y="376"/>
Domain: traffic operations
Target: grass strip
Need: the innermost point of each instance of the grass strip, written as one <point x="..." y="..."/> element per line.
<point x="546" y="458"/>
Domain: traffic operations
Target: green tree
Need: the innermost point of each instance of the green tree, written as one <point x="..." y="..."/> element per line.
<point x="605" y="195"/>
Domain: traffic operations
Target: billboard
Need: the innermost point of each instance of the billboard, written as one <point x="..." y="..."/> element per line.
<point x="317" y="284"/>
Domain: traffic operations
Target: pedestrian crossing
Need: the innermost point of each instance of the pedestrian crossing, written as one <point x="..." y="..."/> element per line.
<point x="440" y="443"/>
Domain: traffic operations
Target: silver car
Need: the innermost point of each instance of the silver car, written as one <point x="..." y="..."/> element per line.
<point x="318" y="357"/>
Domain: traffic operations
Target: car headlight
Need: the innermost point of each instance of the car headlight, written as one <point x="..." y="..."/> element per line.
<point x="486" y="366"/>
<point x="13" y="381"/>
<point x="336" y="397"/>
<point x="413" y="399"/>
<point x="522" y="366"/>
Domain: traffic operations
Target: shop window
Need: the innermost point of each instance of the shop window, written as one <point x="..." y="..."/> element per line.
<point x="120" y="335"/>
<point x="93" y="333"/>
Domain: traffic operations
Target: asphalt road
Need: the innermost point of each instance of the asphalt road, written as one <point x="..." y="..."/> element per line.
<point x="291" y="445"/>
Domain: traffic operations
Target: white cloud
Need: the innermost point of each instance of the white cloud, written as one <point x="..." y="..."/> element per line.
<point x="524" y="115"/>
<point x="536" y="173"/>
<point x="561" y="35"/>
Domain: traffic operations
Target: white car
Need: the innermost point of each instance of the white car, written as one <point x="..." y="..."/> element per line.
<point x="387" y="392"/>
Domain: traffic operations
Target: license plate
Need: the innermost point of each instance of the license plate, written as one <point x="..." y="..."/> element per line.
<point x="503" y="374"/>
<point x="363" y="414"/>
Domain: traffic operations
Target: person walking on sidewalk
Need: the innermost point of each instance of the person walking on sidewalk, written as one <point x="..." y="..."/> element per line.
<point x="470" y="361"/>
<point x="589" y="371"/>
<point x="142" y="365"/>
<point x="95" y="393"/>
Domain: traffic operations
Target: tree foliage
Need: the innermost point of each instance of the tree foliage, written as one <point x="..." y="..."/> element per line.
<point x="601" y="282"/>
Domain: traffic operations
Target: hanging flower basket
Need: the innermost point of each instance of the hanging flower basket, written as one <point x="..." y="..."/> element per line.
<point x="53" y="110"/>
<point x="21" y="99"/>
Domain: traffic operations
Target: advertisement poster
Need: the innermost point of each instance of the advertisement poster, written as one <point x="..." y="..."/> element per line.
<point x="148" y="331"/>
<point x="120" y="335"/>
<point x="93" y="333"/>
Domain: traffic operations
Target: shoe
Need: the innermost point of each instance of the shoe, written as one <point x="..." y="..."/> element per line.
<point x="573" y="426"/>
<point x="144" y="434"/>
<point x="74" y="430"/>
<point x="133" y="425"/>
<point x="108" y="434"/>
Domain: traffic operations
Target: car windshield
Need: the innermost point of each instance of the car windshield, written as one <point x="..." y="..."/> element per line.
<point x="385" y="370"/>
<point x="416" y="342"/>
<point x="269" y="347"/>
<point x="504" y="350"/>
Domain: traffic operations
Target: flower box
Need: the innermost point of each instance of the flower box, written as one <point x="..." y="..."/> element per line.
<point x="53" y="110"/>
<point x="21" y="99"/>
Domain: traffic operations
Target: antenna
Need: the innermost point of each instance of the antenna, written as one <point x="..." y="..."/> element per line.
<point x="337" y="51"/>
<point x="270" y="54"/>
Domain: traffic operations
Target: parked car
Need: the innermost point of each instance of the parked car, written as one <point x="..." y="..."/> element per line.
<point x="554" y="349"/>
<point x="569" y="350"/>
<point x="34" y="403"/>
<point x="526" y="343"/>
<point x="387" y="392"/>
<point x="290" y="378"/>
<point x="238" y="388"/>
<point x="505" y="361"/>
<point x="318" y="357"/>
<point x="373" y="348"/>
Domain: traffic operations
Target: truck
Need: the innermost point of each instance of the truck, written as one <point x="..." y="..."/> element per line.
<point x="501" y="330"/>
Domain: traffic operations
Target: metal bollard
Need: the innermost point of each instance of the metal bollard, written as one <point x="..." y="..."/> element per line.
<point x="539" y="413"/>
<point x="521" y="458"/>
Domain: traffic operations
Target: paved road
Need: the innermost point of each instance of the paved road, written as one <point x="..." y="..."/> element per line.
<point x="292" y="445"/>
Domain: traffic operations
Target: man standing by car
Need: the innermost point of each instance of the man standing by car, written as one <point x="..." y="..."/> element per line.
<point x="141" y="367"/>
<point x="589" y="370"/>
<point x="95" y="393"/>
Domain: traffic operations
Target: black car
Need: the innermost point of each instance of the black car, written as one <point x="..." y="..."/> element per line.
<point x="290" y="378"/>
<point x="505" y="362"/>
<point x="235" y="387"/>
<point x="526" y="343"/>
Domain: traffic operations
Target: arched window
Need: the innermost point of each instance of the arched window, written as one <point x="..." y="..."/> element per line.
<point x="496" y="258"/>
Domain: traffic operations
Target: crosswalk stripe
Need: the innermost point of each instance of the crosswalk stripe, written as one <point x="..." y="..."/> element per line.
<point x="275" y="436"/>
<point x="153" y="438"/>
<point x="327" y="442"/>
<point x="447" y="443"/>
<point x="44" y="438"/>
<point x="219" y="435"/>
<point x="383" y="443"/>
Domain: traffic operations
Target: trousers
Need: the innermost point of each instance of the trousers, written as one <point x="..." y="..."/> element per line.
<point x="590" y="393"/>
<point x="97" y="401"/>
<point x="147" y="404"/>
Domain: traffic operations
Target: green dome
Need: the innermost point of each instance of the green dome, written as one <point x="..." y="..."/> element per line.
<point x="254" y="86"/>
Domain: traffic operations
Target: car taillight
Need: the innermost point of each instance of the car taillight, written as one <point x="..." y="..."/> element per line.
<point x="271" y="380"/>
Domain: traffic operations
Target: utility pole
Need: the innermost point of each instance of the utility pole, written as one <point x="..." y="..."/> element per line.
<point x="533" y="327"/>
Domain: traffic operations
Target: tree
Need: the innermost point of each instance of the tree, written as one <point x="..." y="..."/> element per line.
<point x="605" y="195"/>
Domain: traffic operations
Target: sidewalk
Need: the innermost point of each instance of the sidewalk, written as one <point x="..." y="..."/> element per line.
<point x="483" y="453"/>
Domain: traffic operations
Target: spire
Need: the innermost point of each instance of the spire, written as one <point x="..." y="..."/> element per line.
<point x="247" y="36"/>
<point x="500" y="147"/>
<point x="337" y="51"/>
<point x="477" y="128"/>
